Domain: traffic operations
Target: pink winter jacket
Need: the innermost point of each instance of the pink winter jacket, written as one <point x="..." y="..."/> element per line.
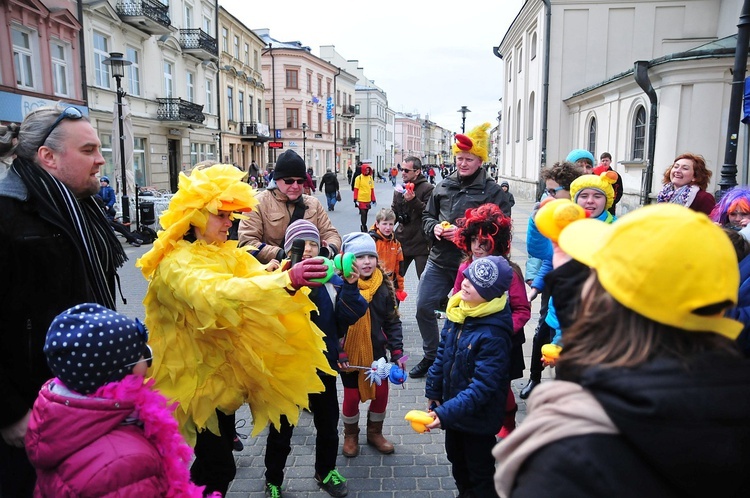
<point x="81" y="448"/>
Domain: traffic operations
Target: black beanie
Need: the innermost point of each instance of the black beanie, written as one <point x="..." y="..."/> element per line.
<point x="289" y="164"/>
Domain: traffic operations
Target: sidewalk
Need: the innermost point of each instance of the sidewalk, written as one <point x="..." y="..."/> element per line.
<point x="419" y="467"/>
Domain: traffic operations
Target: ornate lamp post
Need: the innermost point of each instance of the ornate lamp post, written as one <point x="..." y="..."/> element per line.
<point x="463" y="112"/>
<point x="304" y="142"/>
<point x="117" y="62"/>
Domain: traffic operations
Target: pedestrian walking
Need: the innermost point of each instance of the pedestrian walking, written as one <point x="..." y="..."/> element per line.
<point x="330" y="185"/>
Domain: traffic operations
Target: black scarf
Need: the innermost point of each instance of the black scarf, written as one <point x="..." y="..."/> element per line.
<point x="84" y="223"/>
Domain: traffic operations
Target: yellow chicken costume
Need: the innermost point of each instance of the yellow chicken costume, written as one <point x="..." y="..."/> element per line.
<point x="224" y="331"/>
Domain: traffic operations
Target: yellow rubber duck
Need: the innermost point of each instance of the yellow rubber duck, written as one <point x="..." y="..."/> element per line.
<point x="419" y="420"/>
<point x="555" y="215"/>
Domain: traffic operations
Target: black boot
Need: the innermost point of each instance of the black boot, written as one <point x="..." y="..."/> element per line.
<point x="421" y="369"/>
<point x="528" y="388"/>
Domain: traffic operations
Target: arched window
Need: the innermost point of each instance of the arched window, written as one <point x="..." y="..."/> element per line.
<point x="518" y="121"/>
<point x="639" y="134"/>
<point x="530" y="118"/>
<point x="532" y="52"/>
<point x="592" y="136"/>
<point x="507" y="126"/>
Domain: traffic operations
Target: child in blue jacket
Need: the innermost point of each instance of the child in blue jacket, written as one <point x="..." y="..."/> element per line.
<point x="467" y="386"/>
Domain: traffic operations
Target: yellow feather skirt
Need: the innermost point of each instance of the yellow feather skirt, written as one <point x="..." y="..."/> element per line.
<point x="224" y="332"/>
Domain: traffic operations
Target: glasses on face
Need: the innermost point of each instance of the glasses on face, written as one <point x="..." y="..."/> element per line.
<point x="291" y="181"/>
<point x="405" y="170"/>
<point x="553" y="191"/>
<point x="68" y="113"/>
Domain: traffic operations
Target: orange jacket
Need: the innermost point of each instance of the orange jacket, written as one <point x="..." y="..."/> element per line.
<point x="390" y="256"/>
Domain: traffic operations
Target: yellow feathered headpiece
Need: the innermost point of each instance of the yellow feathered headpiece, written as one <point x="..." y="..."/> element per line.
<point x="209" y="190"/>
<point x="476" y="142"/>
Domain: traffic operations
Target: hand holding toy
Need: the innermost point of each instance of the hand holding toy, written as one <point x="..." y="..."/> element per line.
<point x="409" y="187"/>
<point x="419" y="420"/>
<point x="401" y="295"/>
<point x="381" y="369"/>
<point x="345" y="263"/>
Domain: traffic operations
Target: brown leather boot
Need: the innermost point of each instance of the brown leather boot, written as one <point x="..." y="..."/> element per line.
<point x="375" y="437"/>
<point x="351" y="440"/>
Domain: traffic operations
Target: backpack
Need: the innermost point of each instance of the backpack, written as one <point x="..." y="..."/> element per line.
<point x="145" y="234"/>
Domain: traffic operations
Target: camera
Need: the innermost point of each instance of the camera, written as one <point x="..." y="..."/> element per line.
<point x="403" y="218"/>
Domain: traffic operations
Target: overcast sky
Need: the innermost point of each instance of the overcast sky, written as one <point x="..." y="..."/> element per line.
<point x="430" y="56"/>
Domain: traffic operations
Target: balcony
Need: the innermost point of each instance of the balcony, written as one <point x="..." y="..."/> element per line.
<point x="350" y="143"/>
<point x="198" y="43"/>
<point x="150" y="16"/>
<point x="181" y="113"/>
<point x="347" y="111"/>
<point x="257" y="132"/>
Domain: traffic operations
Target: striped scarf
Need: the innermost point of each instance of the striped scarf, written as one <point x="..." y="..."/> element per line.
<point x="83" y="222"/>
<point x="358" y="342"/>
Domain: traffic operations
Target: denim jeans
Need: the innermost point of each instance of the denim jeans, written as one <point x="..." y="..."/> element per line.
<point x="434" y="285"/>
<point x="331" y="198"/>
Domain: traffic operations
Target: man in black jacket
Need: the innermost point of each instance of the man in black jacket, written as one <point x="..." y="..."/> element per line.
<point x="330" y="185"/>
<point x="408" y="207"/>
<point x="56" y="250"/>
<point x="469" y="187"/>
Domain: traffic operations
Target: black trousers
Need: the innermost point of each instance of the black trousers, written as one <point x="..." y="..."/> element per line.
<point x="17" y="475"/>
<point x="325" y="409"/>
<point x="472" y="463"/>
<point x="542" y="335"/>
<point x="419" y="262"/>
<point x="214" y="465"/>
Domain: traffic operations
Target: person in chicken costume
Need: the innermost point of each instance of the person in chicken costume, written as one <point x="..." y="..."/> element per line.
<point x="226" y="331"/>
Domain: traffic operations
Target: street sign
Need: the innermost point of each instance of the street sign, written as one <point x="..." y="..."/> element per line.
<point x="278" y="134"/>
<point x="275" y="145"/>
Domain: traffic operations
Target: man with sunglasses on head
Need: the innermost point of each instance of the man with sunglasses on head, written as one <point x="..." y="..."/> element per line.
<point x="408" y="206"/>
<point x="278" y="206"/>
<point x="56" y="250"/>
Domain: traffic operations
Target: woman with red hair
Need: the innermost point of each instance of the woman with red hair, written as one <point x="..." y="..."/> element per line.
<point x="486" y="231"/>
<point x="685" y="183"/>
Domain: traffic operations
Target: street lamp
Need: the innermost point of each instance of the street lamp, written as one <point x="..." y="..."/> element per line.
<point x="463" y="112"/>
<point x="304" y="142"/>
<point x="118" y="63"/>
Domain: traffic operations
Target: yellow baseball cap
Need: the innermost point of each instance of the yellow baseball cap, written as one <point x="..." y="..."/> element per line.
<point x="664" y="262"/>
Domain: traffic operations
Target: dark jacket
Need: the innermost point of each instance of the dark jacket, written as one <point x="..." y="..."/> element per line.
<point x="409" y="232"/>
<point x="471" y="373"/>
<point x="448" y="202"/>
<point x="42" y="274"/>
<point x="334" y="320"/>
<point x="741" y="312"/>
<point x="684" y="432"/>
<point x="330" y="182"/>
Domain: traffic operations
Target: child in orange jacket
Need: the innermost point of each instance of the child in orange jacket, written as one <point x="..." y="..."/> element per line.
<point x="390" y="254"/>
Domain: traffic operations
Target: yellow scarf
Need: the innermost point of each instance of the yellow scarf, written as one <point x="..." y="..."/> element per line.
<point x="358" y="342"/>
<point x="458" y="310"/>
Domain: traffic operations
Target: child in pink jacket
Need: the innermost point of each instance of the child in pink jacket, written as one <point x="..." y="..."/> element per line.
<point x="486" y="231"/>
<point x="97" y="429"/>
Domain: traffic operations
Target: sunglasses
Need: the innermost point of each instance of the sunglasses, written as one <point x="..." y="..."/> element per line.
<point x="290" y="181"/>
<point x="553" y="191"/>
<point x="68" y="113"/>
<point x="404" y="170"/>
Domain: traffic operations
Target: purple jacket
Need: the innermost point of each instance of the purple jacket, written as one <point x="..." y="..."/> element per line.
<point x="81" y="448"/>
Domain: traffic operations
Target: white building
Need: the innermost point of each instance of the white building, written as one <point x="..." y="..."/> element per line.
<point x="579" y="58"/>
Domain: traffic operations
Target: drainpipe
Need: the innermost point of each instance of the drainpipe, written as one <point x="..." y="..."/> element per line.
<point x="220" y="155"/>
<point x="641" y="77"/>
<point x="729" y="168"/>
<point x="335" y="122"/>
<point x="82" y="54"/>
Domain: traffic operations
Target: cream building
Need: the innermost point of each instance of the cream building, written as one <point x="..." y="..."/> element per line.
<point x="578" y="60"/>
<point x="408" y="137"/>
<point x="171" y="84"/>
<point x="242" y="94"/>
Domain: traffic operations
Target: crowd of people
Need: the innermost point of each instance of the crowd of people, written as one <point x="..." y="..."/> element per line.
<point x="647" y="315"/>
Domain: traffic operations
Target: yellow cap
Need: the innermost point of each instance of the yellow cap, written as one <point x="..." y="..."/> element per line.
<point x="476" y="142"/>
<point x="662" y="261"/>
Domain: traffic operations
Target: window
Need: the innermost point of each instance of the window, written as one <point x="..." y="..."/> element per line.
<point x="190" y="80"/>
<point x="225" y="39"/>
<point x="356" y="109"/>
<point x="133" y="71"/>
<point x="101" y="52"/>
<point x="507" y="127"/>
<point x="592" y="136"/>
<point x="168" y="79"/>
<point x="247" y="54"/>
<point x="250" y="108"/>
<point x="139" y="161"/>
<point x="108" y="168"/>
<point x="209" y="107"/>
<point x="320" y="85"/>
<point x="22" y="57"/>
<point x="320" y="121"/>
<point x="639" y="134"/>
<point x="532" y="54"/>
<point x="291" y="78"/>
<point x="230" y="103"/>
<point x="309" y="82"/>
<point x="520" y="59"/>
<point x="193" y="154"/>
<point x="518" y="121"/>
<point x="292" y="118"/>
<point x="510" y="70"/>
<point x="188" y="15"/>
<point x="260" y="109"/>
<point x="530" y="118"/>
<point x="255" y="60"/>
<point x="58" y="52"/>
<point x="328" y="88"/>
<point x="236" y="47"/>
<point x="241" y="105"/>
<point x="207" y="25"/>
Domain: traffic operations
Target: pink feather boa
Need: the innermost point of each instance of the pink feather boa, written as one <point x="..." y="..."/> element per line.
<point x="161" y="430"/>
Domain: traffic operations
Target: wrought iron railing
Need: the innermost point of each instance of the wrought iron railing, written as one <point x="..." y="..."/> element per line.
<point x="196" y="38"/>
<point x="347" y="110"/>
<point x="153" y="9"/>
<point x="179" y="110"/>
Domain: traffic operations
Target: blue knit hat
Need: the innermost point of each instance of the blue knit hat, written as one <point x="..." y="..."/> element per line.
<point x="491" y="276"/>
<point x="359" y="244"/>
<point x="89" y="345"/>
<point x="578" y="154"/>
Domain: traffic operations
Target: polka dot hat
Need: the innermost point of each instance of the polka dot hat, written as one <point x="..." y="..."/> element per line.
<point x="89" y="345"/>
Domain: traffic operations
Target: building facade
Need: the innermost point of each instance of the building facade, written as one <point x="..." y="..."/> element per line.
<point x="586" y="66"/>
<point x="408" y="137"/>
